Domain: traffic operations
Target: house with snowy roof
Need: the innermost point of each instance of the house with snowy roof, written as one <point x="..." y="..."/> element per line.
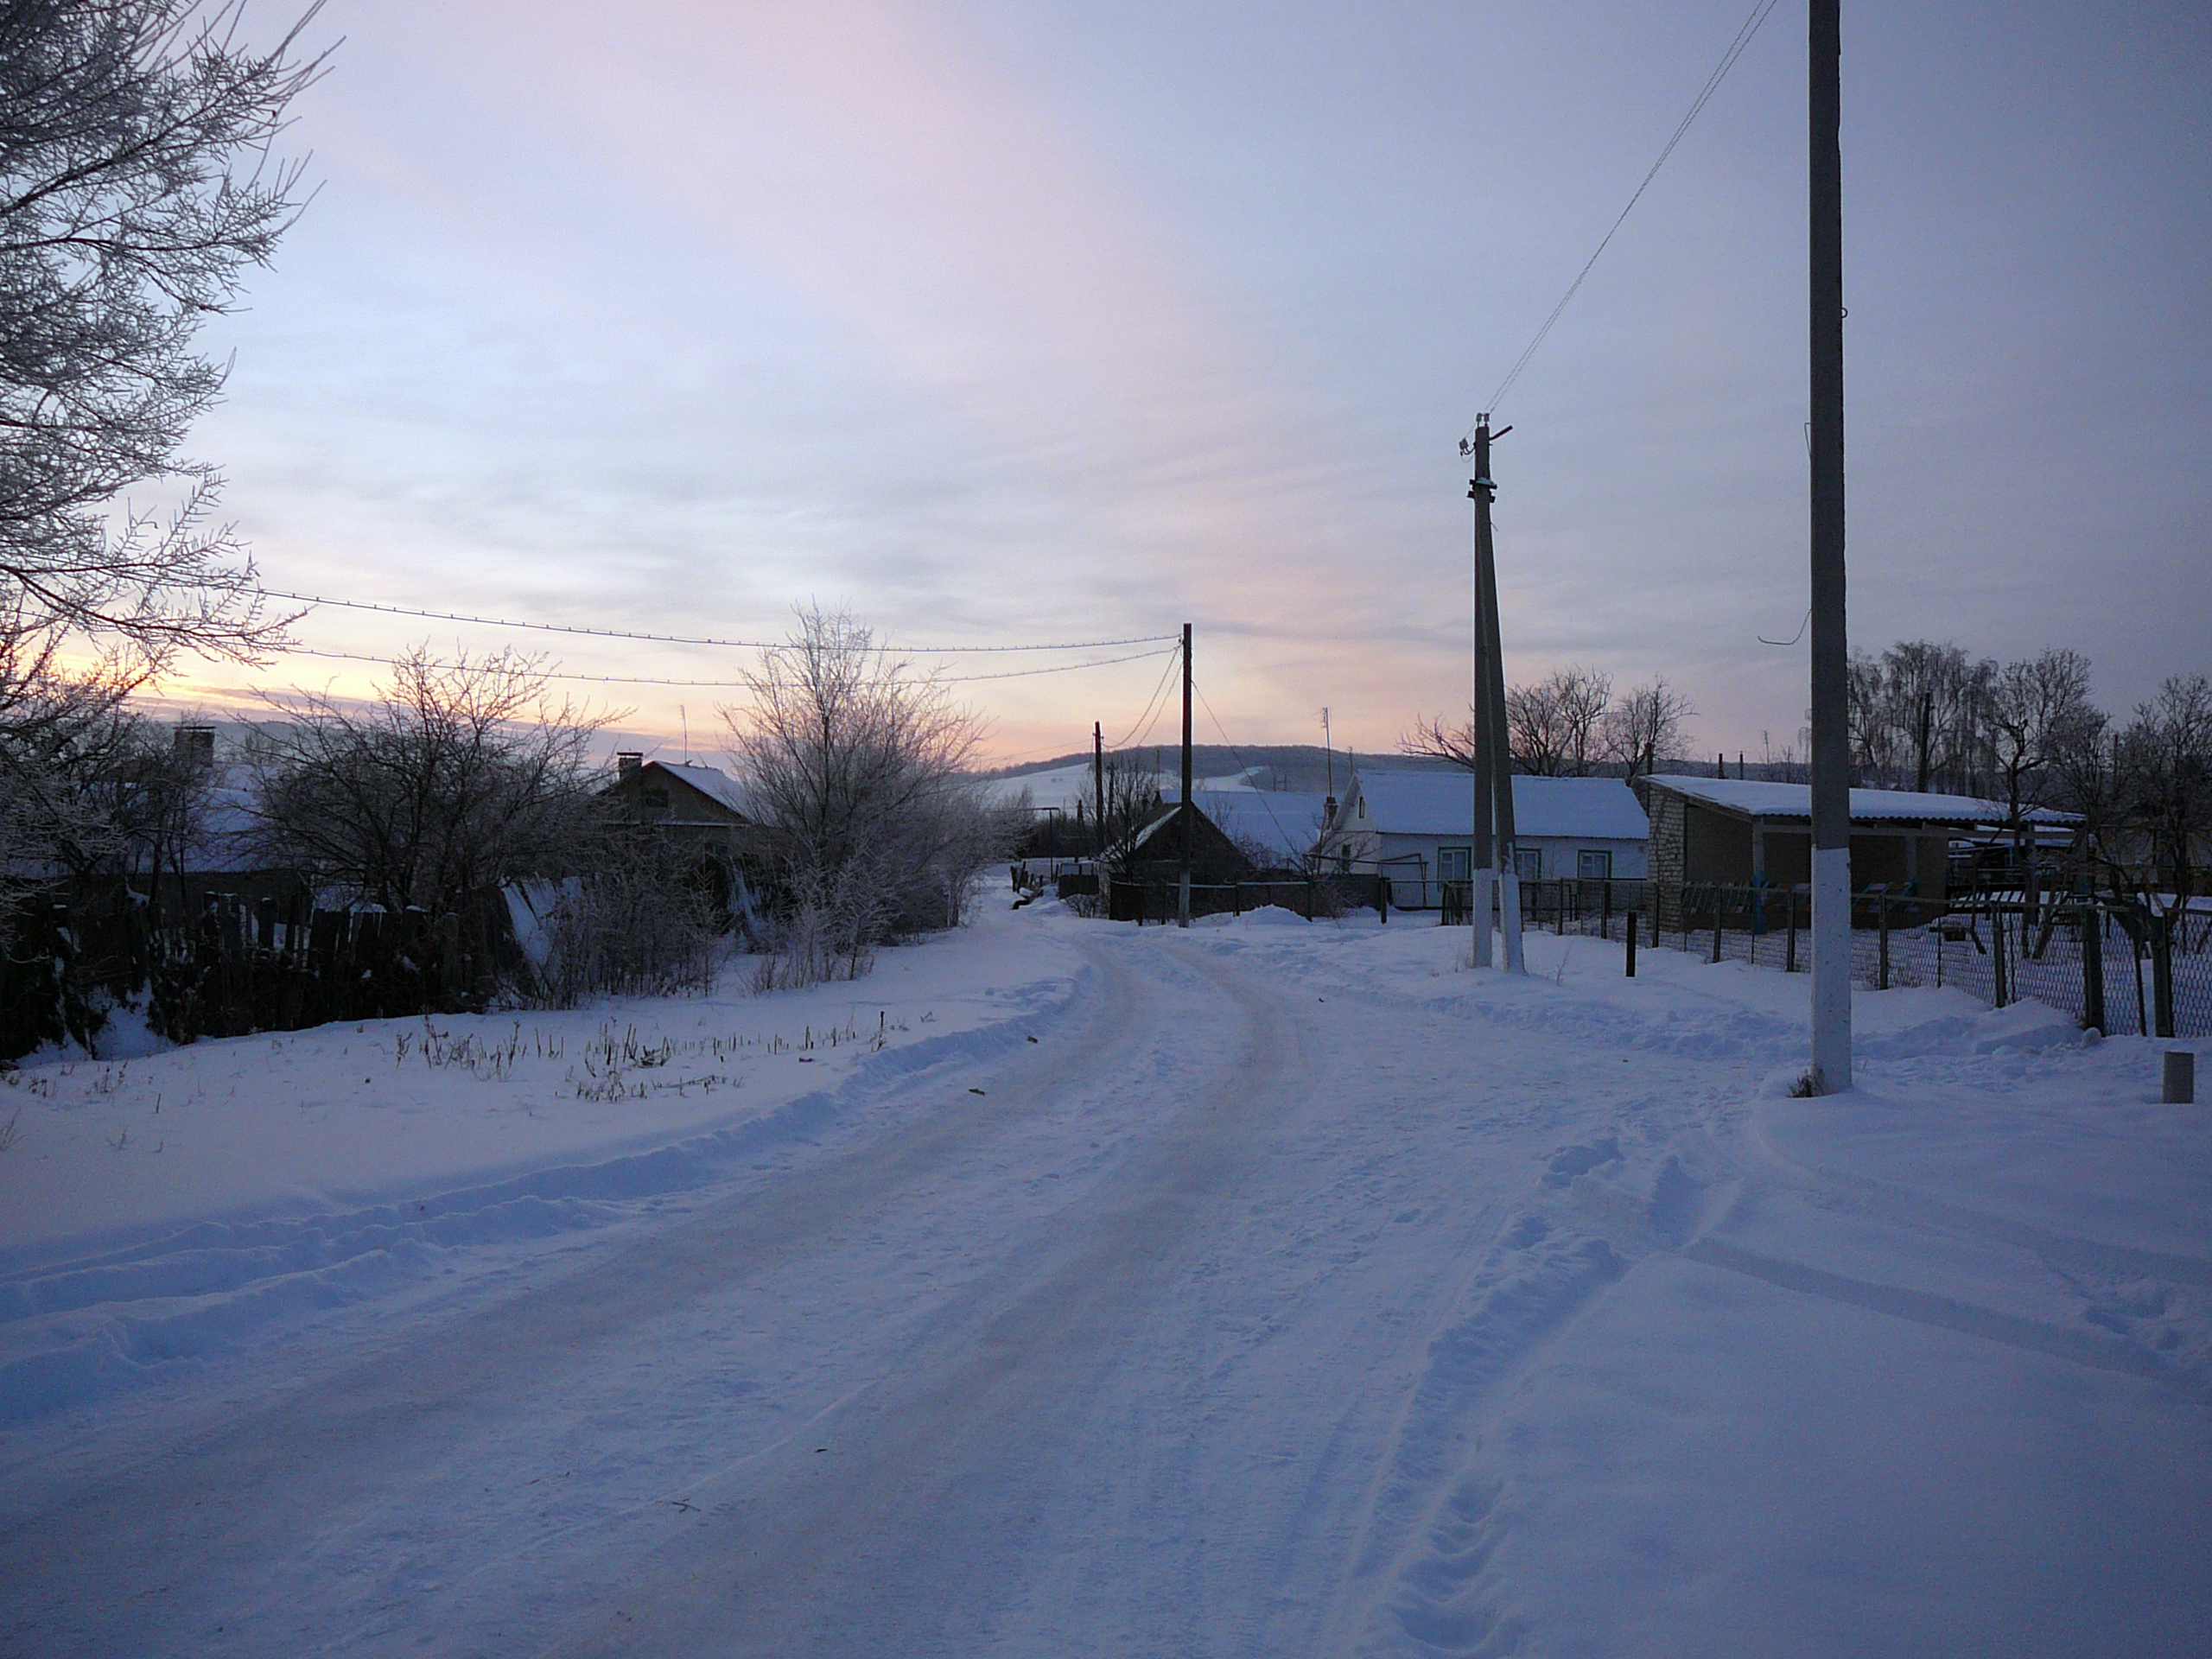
<point x="1417" y="826"/>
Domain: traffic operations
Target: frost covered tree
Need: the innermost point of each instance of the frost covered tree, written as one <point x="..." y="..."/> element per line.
<point x="854" y="769"/>
<point x="136" y="186"/>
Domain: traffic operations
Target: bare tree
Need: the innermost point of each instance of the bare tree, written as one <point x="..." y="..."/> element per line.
<point x="461" y="778"/>
<point x="1535" y="729"/>
<point x="2164" y="760"/>
<point x="1553" y="726"/>
<point x="1430" y="739"/>
<point x="1132" y="800"/>
<point x="1917" y="716"/>
<point x="1646" y="727"/>
<point x="136" y="187"/>
<point x="855" y="769"/>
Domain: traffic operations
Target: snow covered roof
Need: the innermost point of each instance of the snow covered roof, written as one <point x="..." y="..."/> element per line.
<point x="1771" y="800"/>
<point x="1408" y="802"/>
<point x="1289" y="822"/>
<point x="715" y="785"/>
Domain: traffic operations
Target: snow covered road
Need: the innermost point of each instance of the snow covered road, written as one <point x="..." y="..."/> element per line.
<point x="1291" y="1293"/>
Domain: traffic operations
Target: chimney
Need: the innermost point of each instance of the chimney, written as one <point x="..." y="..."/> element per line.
<point x="628" y="761"/>
<point x="195" y="747"/>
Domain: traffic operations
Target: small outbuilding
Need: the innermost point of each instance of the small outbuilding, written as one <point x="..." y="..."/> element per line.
<point x="1745" y="832"/>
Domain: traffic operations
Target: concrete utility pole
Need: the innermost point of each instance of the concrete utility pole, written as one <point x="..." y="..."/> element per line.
<point x="1492" y="730"/>
<point x="1481" y="877"/>
<point x="1831" y="1069"/>
<point x="1098" y="781"/>
<point x="1183" y="818"/>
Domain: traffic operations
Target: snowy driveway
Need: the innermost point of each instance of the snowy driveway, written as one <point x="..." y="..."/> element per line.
<point x="1291" y="1293"/>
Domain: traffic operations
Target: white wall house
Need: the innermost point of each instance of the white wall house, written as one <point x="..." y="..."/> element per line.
<point x="1417" y="827"/>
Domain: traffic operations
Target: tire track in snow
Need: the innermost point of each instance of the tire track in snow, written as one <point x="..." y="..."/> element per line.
<point x="99" y="1556"/>
<point x="917" y="1526"/>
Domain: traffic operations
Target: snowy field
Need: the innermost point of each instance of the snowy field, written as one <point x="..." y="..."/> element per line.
<point x="1066" y="1289"/>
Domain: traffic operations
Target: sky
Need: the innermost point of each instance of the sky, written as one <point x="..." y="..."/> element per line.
<point x="1023" y="324"/>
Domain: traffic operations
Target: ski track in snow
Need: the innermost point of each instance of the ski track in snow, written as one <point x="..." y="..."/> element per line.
<point x="1248" y="1310"/>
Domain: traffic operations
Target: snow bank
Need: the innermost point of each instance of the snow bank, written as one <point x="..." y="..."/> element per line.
<point x="156" y="1210"/>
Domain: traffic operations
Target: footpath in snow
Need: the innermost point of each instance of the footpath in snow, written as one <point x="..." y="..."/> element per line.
<point x="1264" y="1287"/>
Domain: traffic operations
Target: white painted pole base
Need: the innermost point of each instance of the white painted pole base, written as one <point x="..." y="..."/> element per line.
<point x="1478" y="913"/>
<point x="1509" y="920"/>
<point x="1831" y="970"/>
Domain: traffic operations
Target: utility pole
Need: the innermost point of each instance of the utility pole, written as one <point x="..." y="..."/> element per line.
<point x="1492" y="731"/>
<point x="1481" y="876"/>
<point x="1182" y="907"/>
<point x="1098" y="782"/>
<point x="1831" y="789"/>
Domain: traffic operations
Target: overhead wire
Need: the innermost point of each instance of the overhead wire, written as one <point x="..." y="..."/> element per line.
<point x="682" y="640"/>
<point x="739" y="685"/>
<point x="1749" y="28"/>
<point x="1146" y="720"/>
<point x="1239" y="759"/>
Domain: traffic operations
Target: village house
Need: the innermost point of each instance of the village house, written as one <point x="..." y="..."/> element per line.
<point x="1417" y="827"/>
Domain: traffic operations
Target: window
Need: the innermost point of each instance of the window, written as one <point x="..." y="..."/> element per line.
<point x="1452" y="863"/>
<point x="1528" y="863"/>
<point x="1594" y="864"/>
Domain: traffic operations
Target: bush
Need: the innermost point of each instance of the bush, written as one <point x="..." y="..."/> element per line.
<point x="643" y="923"/>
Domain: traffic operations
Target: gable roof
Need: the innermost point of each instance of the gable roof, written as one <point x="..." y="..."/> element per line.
<point x="715" y="785"/>
<point x="1407" y="802"/>
<point x="1760" y="798"/>
<point x="1288" y="822"/>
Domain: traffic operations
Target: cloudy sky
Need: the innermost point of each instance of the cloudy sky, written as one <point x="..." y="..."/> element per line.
<point x="1021" y="323"/>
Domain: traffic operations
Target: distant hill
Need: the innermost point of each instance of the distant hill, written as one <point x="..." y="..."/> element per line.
<point x="1301" y="768"/>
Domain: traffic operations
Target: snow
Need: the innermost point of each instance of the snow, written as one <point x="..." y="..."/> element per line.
<point x="1063" y="787"/>
<point x="1404" y="802"/>
<point x="1264" y="1287"/>
<point x="1763" y="799"/>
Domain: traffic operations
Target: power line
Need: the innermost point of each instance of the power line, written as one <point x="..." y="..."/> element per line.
<point x="1239" y="759"/>
<point x="1151" y="716"/>
<point x="739" y="685"/>
<point x="1749" y="28"/>
<point x="681" y="639"/>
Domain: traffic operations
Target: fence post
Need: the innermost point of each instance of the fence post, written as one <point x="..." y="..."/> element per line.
<point x="1716" y="921"/>
<point x="2093" y="971"/>
<point x="2162" y="972"/>
<point x="1605" y="910"/>
<point x="1382" y="898"/>
<point x="1997" y="965"/>
<point x="1631" y="945"/>
<point x="1882" y="926"/>
<point x="1789" y="951"/>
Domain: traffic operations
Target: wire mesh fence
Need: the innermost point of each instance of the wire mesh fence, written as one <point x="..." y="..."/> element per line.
<point x="2121" y="967"/>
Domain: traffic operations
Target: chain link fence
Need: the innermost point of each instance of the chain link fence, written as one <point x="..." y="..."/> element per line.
<point x="2117" y="966"/>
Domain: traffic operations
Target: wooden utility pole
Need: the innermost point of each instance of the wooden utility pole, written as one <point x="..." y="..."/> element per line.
<point x="1098" y="781"/>
<point x="1831" y="757"/>
<point x="1490" y="716"/>
<point x="1183" y="818"/>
